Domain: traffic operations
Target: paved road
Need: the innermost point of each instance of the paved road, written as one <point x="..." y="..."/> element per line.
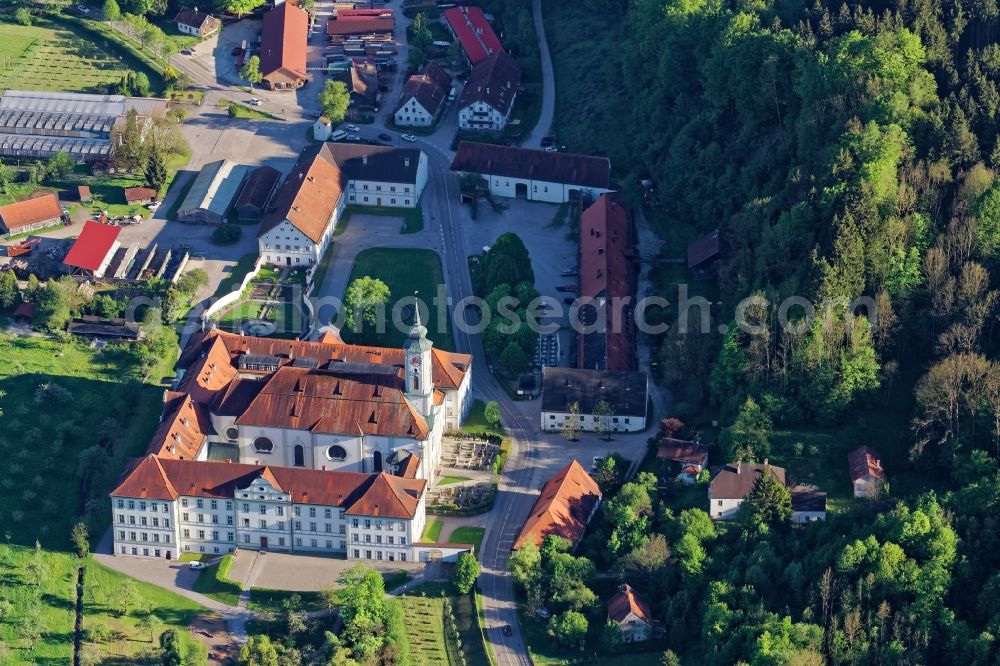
<point x="544" y="126"/>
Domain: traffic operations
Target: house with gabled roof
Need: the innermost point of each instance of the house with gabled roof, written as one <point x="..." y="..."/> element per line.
<point x="488" y="96"/>
<point x="631" y="612"/>
<point x="423" y="97"/>
<point x="191" y="21"/>
<point x="732" y="483"/>
<point x="867" y="474"/>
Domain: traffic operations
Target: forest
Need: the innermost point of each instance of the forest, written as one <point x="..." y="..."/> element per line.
<point x="846" y="151"/>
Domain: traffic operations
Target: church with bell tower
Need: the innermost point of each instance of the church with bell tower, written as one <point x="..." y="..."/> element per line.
<point x="420" y="378"/>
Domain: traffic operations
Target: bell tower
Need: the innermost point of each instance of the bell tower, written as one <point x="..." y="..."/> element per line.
<point x="419" y="381"/>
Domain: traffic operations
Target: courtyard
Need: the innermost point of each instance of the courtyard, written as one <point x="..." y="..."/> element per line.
<point x="306" y="573"/>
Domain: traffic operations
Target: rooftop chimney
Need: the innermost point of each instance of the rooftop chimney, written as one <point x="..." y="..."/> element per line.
<point x="406" y="162"/>
<point x="739" y="467"/>
<point x="364" y="159"/>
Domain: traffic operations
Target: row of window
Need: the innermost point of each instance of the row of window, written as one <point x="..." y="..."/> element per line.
<point x="406" y="202"/>
<point x="378" y="539"/>
<point x="614" y="419"/>
<point x="201" y="519"/>
<point x="145" y="551"/>
<point x="153" y="506"/>
<point x="201" y="535"/>
<point x="143" y="536"/>
<point x="378" y="188"/>
<point x="199" y="503"/>
<point x="154" y="522"/>
<point x="378" y="555"/>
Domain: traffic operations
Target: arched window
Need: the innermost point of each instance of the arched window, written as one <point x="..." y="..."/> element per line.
<point x="377" y="459"/>
<point x="336" y="453"/>
<point x="263" y="445"/>
<point x="300" y="456"/>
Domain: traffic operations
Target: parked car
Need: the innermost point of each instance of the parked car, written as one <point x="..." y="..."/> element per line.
<point x="352" y="128"/>
<point x="408" y="137"/>
<point x="352" y="137"/>
<point x="385" y="136"/>
<point x="567" y="272"/>
<point x="507" y="631"/>
<point x="551" y="149"/>
<point x="197" y="565"/>
<point x="253" y="101"/>
<point x="153" y="206"/>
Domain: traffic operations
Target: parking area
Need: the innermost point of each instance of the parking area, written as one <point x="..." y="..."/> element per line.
<point x="302" y="573"/>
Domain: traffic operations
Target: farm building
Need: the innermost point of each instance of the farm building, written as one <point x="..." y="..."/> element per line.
<point x="96" y="327"/>
<point x="30" y="215"/>
<point x="469" y="26"/>
<point x="257" y="191"/>
<point x="346" y="22"/>
<point x="93" y="250"/>
<point x="534" y="175"/>
<point x="190" y="21"/>
<point x="362" y="86"/>
<point x="867" y="474"/>
<point x="564" y="507"/>
<point x="283" y="47"/>
<point x="39" y="124"/>
<point x="423" y="97"/>
<point x="140" y="195"/>
<point x="606" y="279"/>
<point x="212" y="192"/>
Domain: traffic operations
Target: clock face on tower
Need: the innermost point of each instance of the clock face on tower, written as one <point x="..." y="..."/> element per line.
<point x="415" y="361"/>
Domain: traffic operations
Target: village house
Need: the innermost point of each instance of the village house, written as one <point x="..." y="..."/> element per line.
<point x="535" y="175"/>
<point x="190" y="21"/>
<point x="283" y="42"/>
<point x="731" y="485"/>
<point x="631" y="612"/>
<point x="30" y="215"/>
<point x="93" y="250"/>
<point x="488" y="96"/>
<point x="564" y="508"/>
<point x="808" y="505"/>
<point x="361" y="80"/>
<point x="687" y="458"/>
<point x="138" y="196"/>
<point x="624" y="392"/>
<point x="866" y="471"/>
<point x="423" y="98"/>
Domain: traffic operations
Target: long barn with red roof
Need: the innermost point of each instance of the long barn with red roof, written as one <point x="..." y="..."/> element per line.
<point x="469" y="26"/>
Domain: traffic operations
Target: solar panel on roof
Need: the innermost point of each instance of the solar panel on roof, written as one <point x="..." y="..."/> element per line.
<point x="305" y="362"/>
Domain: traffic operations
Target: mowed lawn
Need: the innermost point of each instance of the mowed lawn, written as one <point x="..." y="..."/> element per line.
<point x="49" y="608"/>
<point x="58" y="400"/>
<point x="405" y="271"/>
<point x="55" y="57"/>
<point x="469" y="535"/>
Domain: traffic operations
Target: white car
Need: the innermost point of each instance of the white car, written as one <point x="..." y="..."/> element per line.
<point x="352" y="128"/>
<point x="253" y="101"/>
<point x="197" y="565"/>
<point x="550" y="149"/>
<point x="153" y="206"/>
<point x="408" y="137"/>
<point x="352" y="137"/>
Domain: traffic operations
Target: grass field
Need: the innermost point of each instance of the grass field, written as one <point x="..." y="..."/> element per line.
<point x="262" y="598"/>
<point x="448" y="480"/>
<point x="426" y="638"/>
<point x="48" y="608"/>
<point x="57" y="57"/>
<point x="476" y="420"/>
<point x="237" y="110"/>
<point x="214" y="585"/>
<point x="87" y="400"/>
<point x="470" y="535"/>
<point x="405" y="271"/>
<point x="432" y="530"/>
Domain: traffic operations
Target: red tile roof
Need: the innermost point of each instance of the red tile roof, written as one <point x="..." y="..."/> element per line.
<point x="136" y="194"/>
<point x="183" y="428"/>
<point x="326" y="401"/>
<point x="377" y="495"/>
<point x="30" y="211"/>
<point x="679" y="450"/>
<point x="628" y="601"/>
<point x="530" y="164"/>
<point x="563" y="508"/>
<point x="309" y="196"/>
<point x="283" y="37"/>
<point x="473" y="31"/>
<point x="95" y="242"/>
<point x="865" y="462"/>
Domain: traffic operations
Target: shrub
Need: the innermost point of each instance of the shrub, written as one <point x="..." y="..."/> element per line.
<point x="226" y="234"/>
